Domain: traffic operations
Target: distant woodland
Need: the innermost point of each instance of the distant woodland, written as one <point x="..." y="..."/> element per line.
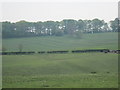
<point x="70" y="27"/>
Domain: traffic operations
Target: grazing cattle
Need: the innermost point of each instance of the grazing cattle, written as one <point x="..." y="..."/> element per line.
<point x="17" y="53"/>
<point x="115" y="51"/>
<point x="30" y="52"/>
<point x="63" y="51"/>
<point x="41" y="52"/>
<point x="90" y="50"/>
<point x="118" y="51"/>
<point x="93" y="72"/>
<point x="57" y="51"/>
<point x="77" y="51"/>
<point x="6" y="53"/>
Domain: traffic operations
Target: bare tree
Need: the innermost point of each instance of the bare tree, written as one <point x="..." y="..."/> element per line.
<point x="20" y="47"/>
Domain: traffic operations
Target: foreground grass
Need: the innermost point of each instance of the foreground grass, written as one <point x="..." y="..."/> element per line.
<point x="88" y="41"/>
<point x="62" y="81"/>
<point x="60" y="71"/>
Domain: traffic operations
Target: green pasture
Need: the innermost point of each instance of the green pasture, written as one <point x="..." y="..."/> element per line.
<point x="61" y="70"/>
<point x="72" y="70"/>
<point x="46" y="43"/>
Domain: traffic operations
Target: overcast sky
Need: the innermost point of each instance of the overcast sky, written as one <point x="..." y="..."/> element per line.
<point x="45" y="10"/>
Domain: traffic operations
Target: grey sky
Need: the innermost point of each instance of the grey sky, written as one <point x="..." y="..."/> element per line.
<point x="57" y="11"/>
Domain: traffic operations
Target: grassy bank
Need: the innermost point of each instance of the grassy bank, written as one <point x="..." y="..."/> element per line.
<point x="61" y="70"/>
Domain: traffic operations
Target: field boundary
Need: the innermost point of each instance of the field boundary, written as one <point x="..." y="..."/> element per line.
<point x="61" y="52"/>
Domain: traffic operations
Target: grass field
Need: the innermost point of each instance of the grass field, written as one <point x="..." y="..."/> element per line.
<point x="72" y="70"/>
<point x="61" y="71"/>
<point x="99" y="40"/>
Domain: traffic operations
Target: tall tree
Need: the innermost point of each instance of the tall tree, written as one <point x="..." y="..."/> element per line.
<point x="96" y="25"/>
<point x="81" y="25"/>
<point x="88" y="26"/>
<point x="8" y="30"/>
<point x="105" y="28"/>
<point x="49" y="27"/>
<point x="114" y="25"/>
<point x="39" y="28"/>
<point x="70" y="26"/>
<point x="59" y="30"/>
<point x="21" y="28"/>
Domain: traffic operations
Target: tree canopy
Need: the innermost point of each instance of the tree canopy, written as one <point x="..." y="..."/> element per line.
<point x="57" y="28"/>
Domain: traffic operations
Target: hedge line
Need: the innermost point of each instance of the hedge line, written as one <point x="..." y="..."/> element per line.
<point x="57" y="52"/>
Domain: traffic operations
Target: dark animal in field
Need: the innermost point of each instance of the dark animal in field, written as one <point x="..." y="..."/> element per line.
<point x="41" y="52"/>
<point x="57" y="51"/>
<point x="118" y="51"/>
<point x="90" y="50"/>
<point x="115" y="51"/>
<point x="30" y="52"/>
<point x="17" y="53"/>
<point x="93" y="72"/>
